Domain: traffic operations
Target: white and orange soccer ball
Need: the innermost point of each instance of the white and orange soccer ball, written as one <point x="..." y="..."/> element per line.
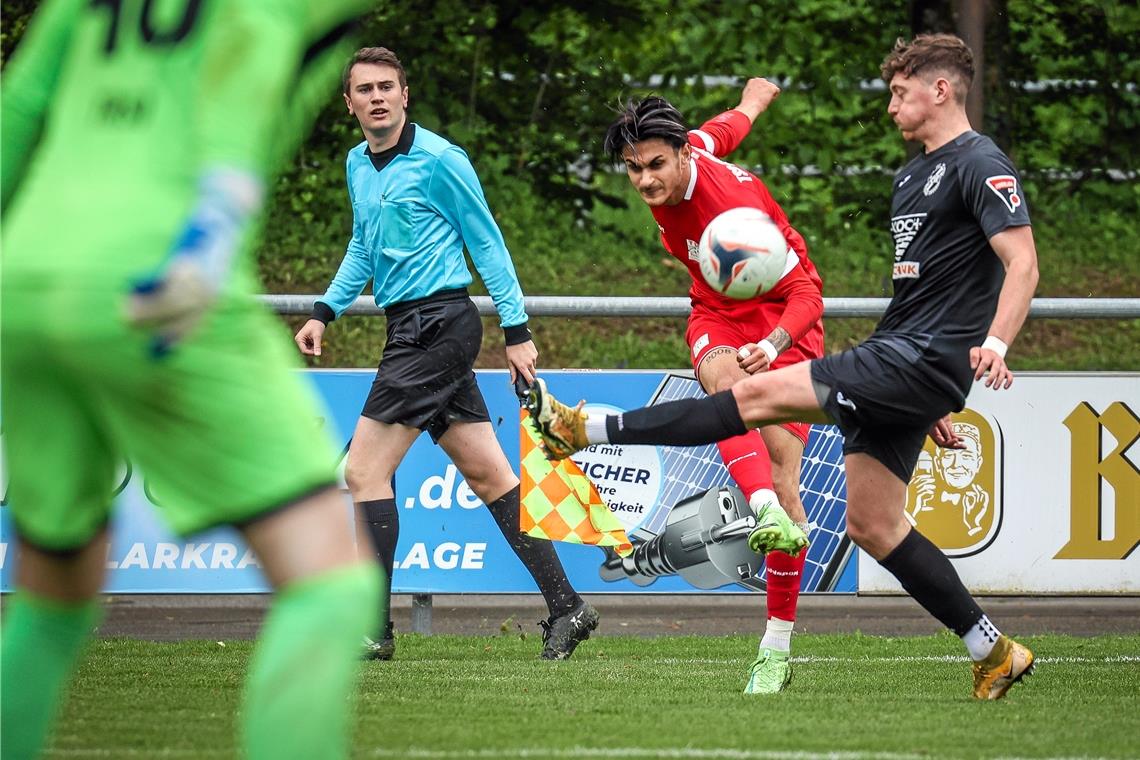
<point x="742" y="253"/>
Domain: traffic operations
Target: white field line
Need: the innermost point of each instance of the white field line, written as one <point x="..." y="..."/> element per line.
<point x="680" y="753"/>
<point x="620" y="753"/>
<point x="617" y="753"/>
<point x="900" y="658"/>
<point x="809" y="659"/>
<point x="963" y="658"/>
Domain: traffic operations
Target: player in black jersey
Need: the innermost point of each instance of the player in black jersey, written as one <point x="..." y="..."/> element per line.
<point x="965" y="268"/>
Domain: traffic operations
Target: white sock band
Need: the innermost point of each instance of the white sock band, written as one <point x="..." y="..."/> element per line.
<point x="761" y="499"/>
<point x="596" y="431"/>
<point x="980" y="639"/>
<point x="778" y="635"/>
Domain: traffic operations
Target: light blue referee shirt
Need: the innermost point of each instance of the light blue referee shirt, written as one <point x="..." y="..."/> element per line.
<point x="414" y="208"/>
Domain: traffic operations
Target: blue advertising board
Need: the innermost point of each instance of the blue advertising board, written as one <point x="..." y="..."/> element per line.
<point x="450" y="544"/>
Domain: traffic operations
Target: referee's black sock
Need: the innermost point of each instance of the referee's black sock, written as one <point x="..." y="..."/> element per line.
<point x="687" y="422"/>
<point x="927" y="575"/>
<point x="383" y="522"/>
<point x="537" y="554"/>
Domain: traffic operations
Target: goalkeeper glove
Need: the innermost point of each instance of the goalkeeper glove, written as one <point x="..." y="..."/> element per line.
<point x="172" y="300"/>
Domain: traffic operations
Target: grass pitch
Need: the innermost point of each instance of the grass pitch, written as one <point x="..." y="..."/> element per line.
<point x="851" y="696"/>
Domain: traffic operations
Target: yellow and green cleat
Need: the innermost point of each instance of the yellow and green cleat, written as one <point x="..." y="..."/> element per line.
<point x="776" y="532"/>
<point x="771" y="671"/>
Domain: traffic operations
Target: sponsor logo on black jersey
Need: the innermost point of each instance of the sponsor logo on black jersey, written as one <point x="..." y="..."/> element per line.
<point x="903" y="229"/>
<point x="1005" y="187"/>
<point x="906" y="270"/>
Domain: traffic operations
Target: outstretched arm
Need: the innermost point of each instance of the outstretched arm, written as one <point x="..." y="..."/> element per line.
<point x="722" y="134"/>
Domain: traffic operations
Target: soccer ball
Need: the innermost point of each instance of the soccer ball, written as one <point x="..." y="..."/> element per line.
<point x="742" y="253"/>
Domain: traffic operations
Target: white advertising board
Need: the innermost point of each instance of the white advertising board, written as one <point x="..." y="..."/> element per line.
<point x="1045" y="498"/>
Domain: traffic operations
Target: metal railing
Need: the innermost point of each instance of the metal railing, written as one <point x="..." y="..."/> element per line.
<point x="640" y="306"/>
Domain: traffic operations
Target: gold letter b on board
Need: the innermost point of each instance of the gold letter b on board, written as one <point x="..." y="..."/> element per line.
<point x="1092" y="534"/>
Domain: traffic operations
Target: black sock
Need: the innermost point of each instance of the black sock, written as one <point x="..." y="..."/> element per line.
<point x="537" y="554"/>
<point x="687" y="422"/>
<point x="927" y="575"/>
<point x="383" y="522"/>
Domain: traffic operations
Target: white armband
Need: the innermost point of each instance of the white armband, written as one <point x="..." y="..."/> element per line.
<point x="995" y="344"/>
<point x="767" y="347"/>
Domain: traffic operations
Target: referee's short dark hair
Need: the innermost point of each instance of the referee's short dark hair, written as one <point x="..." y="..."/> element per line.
<point x="653" y="117"/>
<point x="932" y="53"/>
<point x="381" y="56"/>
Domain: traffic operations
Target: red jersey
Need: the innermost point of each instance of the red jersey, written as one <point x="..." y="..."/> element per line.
<point x="716" y="186"/>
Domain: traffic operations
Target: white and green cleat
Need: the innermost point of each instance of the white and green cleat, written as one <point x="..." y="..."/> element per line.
<point x="771" y="672"/>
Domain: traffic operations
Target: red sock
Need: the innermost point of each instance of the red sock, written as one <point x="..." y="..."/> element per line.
<point x="746" y="458"/>
<point x="784" y="571"/>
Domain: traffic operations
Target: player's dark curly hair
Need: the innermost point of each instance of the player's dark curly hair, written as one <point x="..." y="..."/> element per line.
<point x="653" y="117"/>
<point x="929" y="53"/>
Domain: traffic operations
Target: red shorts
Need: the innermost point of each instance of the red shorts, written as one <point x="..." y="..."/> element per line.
<point x="750" y="322"/>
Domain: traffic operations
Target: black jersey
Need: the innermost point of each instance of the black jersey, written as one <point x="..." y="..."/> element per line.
<point x="946" y="206"/>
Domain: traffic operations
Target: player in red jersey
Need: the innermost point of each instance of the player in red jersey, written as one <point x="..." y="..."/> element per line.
<point x="681" y="176"/>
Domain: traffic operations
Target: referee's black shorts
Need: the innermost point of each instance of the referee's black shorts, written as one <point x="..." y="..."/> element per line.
<point x="426" y="378"/>
<point x="882" y="397"/>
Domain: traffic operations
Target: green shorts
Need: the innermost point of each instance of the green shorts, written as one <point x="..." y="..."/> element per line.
<point x="223" y="429"/>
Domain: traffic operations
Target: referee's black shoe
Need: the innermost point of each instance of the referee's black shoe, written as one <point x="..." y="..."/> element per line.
<point x="382" y="649"/>
<point x="562" y="634"/>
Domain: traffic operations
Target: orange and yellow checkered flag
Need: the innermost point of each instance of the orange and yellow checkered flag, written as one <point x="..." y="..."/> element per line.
<point x="559" y="503"/>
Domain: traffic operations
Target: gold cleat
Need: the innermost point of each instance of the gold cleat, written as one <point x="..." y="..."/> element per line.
<point x="1007" y="664"/>
<point x="563" y="428"/>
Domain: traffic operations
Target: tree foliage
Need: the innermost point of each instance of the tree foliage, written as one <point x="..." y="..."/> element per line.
<point x="528" y="87"/>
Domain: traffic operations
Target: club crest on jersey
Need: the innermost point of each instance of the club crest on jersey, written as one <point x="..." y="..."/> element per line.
<point x="934" y="180"/>
<point x="1005" y="187"/>
<point x="694" y="249"/>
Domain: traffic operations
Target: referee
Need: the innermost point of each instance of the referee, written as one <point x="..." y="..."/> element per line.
<point x="416" y="202"/>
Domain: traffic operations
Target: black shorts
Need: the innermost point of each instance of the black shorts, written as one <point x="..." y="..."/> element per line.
<point x="426" y="379"/>
<point x="883" y="400"/>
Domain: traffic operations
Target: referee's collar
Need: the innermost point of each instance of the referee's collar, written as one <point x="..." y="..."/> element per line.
<point x="402" y="147"/>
